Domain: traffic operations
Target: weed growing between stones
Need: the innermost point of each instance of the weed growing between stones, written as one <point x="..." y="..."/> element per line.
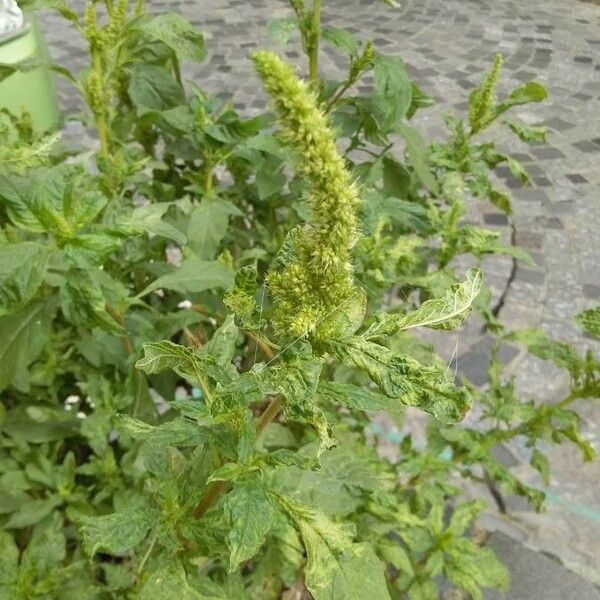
<point x="195" y="332"/>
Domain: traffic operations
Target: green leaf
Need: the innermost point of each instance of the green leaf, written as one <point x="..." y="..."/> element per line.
<point x="417" y="156"/>
<point x="250" y="514"/>
<point x="116" y="533"/>
<point x="394" y="87"/>
<point x="590" y="320"/>
<point x="527" y="133"/>
<point x="226" y="472"/>
<point x="208" y="225"/>
<point x="396" y="178"/>
<point x="222" y="345"/>
<point x="342" y="39"/>
<point x="147" y="219"/>
<point x="542" y="346"/>
<point x="83" y="302"/>
<point x="517" y="170"/>
<point x="532" y="91"/>
<point x="280" y="30"/>
<point x="153" y="88"/>
<point x="22" y="337"/>
<point x="47" y="547"/>
<point x="500" y="200"/>
<point x="32" y="512"/>
<point x="9" y="564"/>
<point x="333" y="574"/>
<point x="391" y="80"/>
<point x="446" y="313"/>
<point x="161" y="356"/>
<point x="464" y="514"/>
<point x="353" y="396"/>
<point x="170" y="582"/>
<point x="402" y="377"/>
<point x="176" y="32"/>
<point x="22" y="270"/>
<point x="137" y="429"/>
<point x="471" y="568"/>
<point x="194" y="276"/>
<point x="539" y="461"/>
<point x="35" y="202"/>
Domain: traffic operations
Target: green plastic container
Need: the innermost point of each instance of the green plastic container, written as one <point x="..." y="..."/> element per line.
<point x="32" y="90"/>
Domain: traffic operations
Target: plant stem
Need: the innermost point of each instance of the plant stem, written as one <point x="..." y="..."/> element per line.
<point x="147" y="554"/>
<point x="101" y="124"/>
<point x="216" y="488"/>
<point x="347" y="85"/>
<point x="208" y="177"/>
<point x="314" y="46"/>
<point x="269" y="414"/>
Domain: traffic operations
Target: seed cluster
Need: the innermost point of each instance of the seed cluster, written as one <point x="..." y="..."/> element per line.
<point x="316" y="279"/>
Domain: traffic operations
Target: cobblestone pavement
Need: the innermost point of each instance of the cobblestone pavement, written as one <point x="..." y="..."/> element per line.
<point x="448" y="44"/>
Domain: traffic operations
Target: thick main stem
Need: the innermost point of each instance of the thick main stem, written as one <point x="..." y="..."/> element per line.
<point x="216" y="488"/>
<point x="314" y="47"/>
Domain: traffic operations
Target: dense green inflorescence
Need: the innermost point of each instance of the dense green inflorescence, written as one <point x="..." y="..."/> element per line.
<point x="316" y="277"/>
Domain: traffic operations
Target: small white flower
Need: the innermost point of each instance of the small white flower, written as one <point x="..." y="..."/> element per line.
<point x="81" y="415"/>
<point x="185" y="304"/>
<point x="72" y="399"/>
<point x="160" y="293"/>
<point x="68" y="407"/>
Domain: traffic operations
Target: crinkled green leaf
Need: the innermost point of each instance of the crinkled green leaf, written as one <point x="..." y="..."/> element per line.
<point x="404" y="378"/>
<point x="357" y="397"/>
<point x="118" y="532"/>
<point x="527" y="133"/>
<point x="336" y="568"/>
<point x="170" y="582"/>
<point x="532" y="91"/>
<point x="447" y="312"/>
<point x="84" y="304"/>
<point x="249" y="511"/>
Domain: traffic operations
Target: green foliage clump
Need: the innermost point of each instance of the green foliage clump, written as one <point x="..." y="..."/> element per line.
<point x="195" y="334"/>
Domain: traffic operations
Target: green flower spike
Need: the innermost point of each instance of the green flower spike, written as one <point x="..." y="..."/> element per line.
<point x="316" y="278"/>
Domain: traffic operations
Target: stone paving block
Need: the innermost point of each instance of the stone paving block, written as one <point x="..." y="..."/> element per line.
<point x="536" y="576"/>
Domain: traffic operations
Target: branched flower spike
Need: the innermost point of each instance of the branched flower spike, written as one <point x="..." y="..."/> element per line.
<point x="483" y="99"/>
<point x="316" y="278"/>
